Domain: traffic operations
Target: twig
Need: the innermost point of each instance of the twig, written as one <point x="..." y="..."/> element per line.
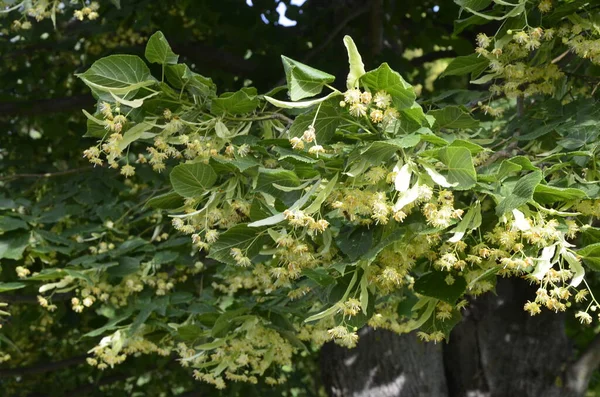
<point x="276" y="116"/>
<point x="46" y="175"/>
<point x="33" y="298"/>
<point x="89" y="388"/>
<point x="41" y="106"/>
<point x="335" y="31"/>
<point x="561" y="56"/>
<point x="41" y="368"/>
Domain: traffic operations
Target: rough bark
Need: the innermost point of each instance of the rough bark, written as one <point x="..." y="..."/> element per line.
<point x="498" y="350"/>
<point x="384" y="364"/>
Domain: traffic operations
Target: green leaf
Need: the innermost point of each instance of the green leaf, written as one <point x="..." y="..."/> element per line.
<point x="159" y="51"/>
<point x="13" y="245"/>
<point x="133" y="134"/>
<point x="322" y="196"/>
<point x="304" y="81"/>
<point x="325" y="125"/>
<point x="521" y="193"/>
<point x="118" y="74"/>
<point x="391" y="238"/>
<point x="380" y="151"/>
<point x="545" y="194"/>
<point x="239" y="102"/>
<point x="470" y="221"/>
<point x="354" y="241"/>
<point x="460" y="167"/>
<point x="166" y="201"/>
<point x="591" y="255"/>
<point x="434" y="284"/>
<point x="507" y="167"/>
<point x="249" y="240"/>
<point x="110" y="325"/>
<point x="357" y="68"/>
<point x="180" y="76"/>
<point x="466" y="64"/>
<point x="191" y="180"/>
<point x="300" y="104"/>
<point x="319" y="276"/>
<point x="476" y="5"/>
<point x="11" y="286"/>
<point x="384" y="78"/>
<point x="269" y="177"/>
<point x="415" y="113"/>
<point x="453" y="117"/>
<point x="130" y="245"/>
<point x="8" y="223"/>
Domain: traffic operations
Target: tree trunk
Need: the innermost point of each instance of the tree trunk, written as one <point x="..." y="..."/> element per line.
<point x="498" y="350"/>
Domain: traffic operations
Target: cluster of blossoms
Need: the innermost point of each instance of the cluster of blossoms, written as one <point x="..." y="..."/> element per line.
<point x="45" y="9"/>
<point x="297" y="219"/>
<point x="244" y="357"/>
<point x="509" y="62"/>
<point x="90" y="12"/>
<point x="378" y="107"/>
<point x="114" y="349"/>
<point x="309" y="136"/>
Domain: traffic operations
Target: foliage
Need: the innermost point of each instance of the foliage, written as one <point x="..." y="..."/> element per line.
<point x="291" y="221"/>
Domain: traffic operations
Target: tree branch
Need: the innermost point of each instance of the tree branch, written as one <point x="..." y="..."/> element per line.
<point x="33" y="298"/>
<point x="336" y="30"/>
<point x="42" y="106"/>
<point x="89" y="388"/>
<point x="580" y="372"/>
<point x="41" y="368"/>
<point x="47" y="174"/>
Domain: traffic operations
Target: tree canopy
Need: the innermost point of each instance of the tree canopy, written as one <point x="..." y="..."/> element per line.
<point x="192" y="192"/>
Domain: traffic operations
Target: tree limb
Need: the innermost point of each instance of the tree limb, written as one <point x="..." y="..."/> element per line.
<point x="580" y="372"/>
<point x="41" y="368"/>
<point x="47" y="174"/>
<point x="33" y="298"/>
<point x="42" y="106"/>
<point x="336" y="30"/>
<point x="89" y="388"/>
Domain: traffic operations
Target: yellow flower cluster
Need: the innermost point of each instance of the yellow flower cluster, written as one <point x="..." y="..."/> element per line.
<point x="377" y="106"/>
<point x="249" y="353"/>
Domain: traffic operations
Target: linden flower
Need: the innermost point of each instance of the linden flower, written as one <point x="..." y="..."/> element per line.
<point x="376" y="116"/>
<point x="297" y="143"/>
<point x="521" y="37"/>
<point x="128" y="170"/>
<point x="581" y="295"/>
<point x="536" y="33"/>
<point x="583" y="317"/>
<point x="211" y="236"/>
<point x="545" y="6"/>
<point x="375" y="174"/>
<point x="352" y="96"/>
<point x="309" y="134"/>
<point x="366" y="97"/>
<point x="244" y="150"/>
<point x="352" y="307"/>
<point x="532" y="307"/>
<point x="390" y="114"/>
<point x="42" y="301"/>
<point x="358" y="110"/>
<point x="22" y="272"/>
<point x="317" y="149"/>
<point x="382" y="99"/>
<point x="483" y="40"/>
